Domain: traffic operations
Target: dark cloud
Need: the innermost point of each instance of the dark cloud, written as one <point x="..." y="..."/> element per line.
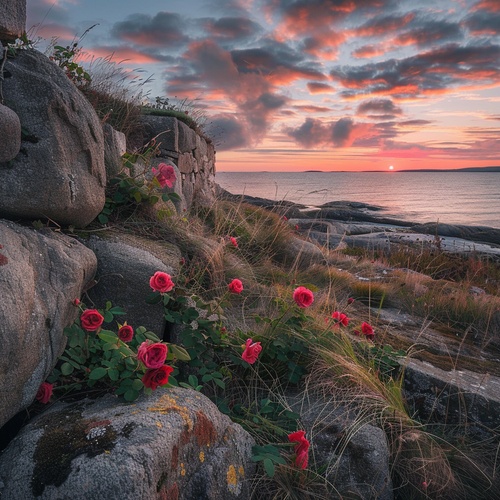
<point x="319" y="88"/>
<point x="301" y="16"/>
<point x="379" y="107"/>
<point x="381" y="25"/>
<point x="483" y="23"/>
<point x="429" y="32"/>
<point x="165" y="29"/>
<point x="227" y="132"/>
<point x="414" y="123"/>
<point x="276" y="60"/>
<point x="271" y="101"/>
<point x="341" y="133"/>
<point x="430" y="72"/>
<point x="310" y="134"/>
<point x="231" y="28"/>
<point x="311" y="108"/>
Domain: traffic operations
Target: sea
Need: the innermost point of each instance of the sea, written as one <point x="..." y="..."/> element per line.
<point x="469" y="198"/>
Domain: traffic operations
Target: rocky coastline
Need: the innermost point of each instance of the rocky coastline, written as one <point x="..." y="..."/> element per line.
<point x="347" y="223"/>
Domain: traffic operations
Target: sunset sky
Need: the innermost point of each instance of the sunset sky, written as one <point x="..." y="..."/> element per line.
<point x="311" y="84"/>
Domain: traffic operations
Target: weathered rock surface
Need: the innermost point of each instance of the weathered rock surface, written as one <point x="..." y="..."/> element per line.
<point x="454" y="397"/>
<point x="125" y="265"/>
<point x="355" y="463"/>
<point x="115" y="146"/>
<point x="60" y="171"/>
<point x="173" y="445"/>
<point x="10" y="132"/>
<point x="40" y="275"/>
<point x="302" y="254"/>
<point x="12" y="19"/>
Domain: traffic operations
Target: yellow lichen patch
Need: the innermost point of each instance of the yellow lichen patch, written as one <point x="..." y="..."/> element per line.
<point x="233" y="485"/>
<point x="167" y="404"/>
<point x="159" y="425"/>
<point x="241" y="471"/>
<point x="183" y="469"/>
<point x="202" y="456"/>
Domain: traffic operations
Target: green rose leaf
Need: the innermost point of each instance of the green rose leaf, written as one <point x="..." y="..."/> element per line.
<point x="66" y="369"/>
<point x="97" y="373"/>
<point x="179" y="352"/>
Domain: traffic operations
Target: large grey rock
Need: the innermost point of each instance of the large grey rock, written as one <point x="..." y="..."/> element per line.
<point x="10" y="134"/>
<point x="302" y="253"/>
<point x="41" y="273"/>
<point x="453" y="397"/>
<point x="12" y="19"/>
<point x="355" y="455"/>
<point x="60" y="172"/>
<point x="173" y="445"/>
<point x="125" y="265"/>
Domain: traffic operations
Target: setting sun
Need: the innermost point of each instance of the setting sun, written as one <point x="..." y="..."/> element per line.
<point x="391" y="168"/>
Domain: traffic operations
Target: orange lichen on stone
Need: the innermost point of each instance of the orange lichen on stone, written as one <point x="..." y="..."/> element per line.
<point x="183" y="469"/>
<point x="204" y="430"/>
<point x="233" y="484"/>
<point x="167" y="404"/>
<point x="201" y="456"/>
<point x="241" y="471"/>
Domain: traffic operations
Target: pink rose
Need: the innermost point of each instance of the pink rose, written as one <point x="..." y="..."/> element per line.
<point x="153" y="355"/>
<point x="44" y="392"/>
<point x="251" y="352"/>
<point x="301" y="448"/>
<point x="91" y="320"/>
<point x="340" y="319"/>
<point x="367" y="329"/>
<point x="236" y="286"/>
<point x="126" y="333"/>
<point x="303" y="296"/>
<point x="165" y="175"/>
<point x="161" y="282"/>
<point x="158" y="376"/>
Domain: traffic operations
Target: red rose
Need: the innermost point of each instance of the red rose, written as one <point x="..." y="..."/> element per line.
<point x="152" y="355"/>
<point x="76" y="302"/>
<point x="126" y="333"/>
<point x="350" y="300"/>
<point x="367" y="329"/>
<point x="251" y="352"/>
<point x="165" y="175"/>
<point x="301" y="448"/>
<point x="44" y="392"/>
<point x="233" y="241"/>
<point x="236" y="286"/>
<point x="91" y="320"/>
<point x="158" y="376"/>
<point x="340" y="319"/>
<point x="303" y="296"/>
<point x="161" y="282"/>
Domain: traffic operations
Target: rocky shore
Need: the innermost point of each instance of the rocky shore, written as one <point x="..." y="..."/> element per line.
<point x="355" y="224"/>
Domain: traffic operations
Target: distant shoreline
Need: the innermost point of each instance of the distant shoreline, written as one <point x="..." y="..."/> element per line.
<point x="466" y="169"/>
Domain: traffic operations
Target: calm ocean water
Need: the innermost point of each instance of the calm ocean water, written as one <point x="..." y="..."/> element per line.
<point x="470" y="198"/>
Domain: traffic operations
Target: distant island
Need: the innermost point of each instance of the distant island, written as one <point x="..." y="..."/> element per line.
<point x="467" y="169"/>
